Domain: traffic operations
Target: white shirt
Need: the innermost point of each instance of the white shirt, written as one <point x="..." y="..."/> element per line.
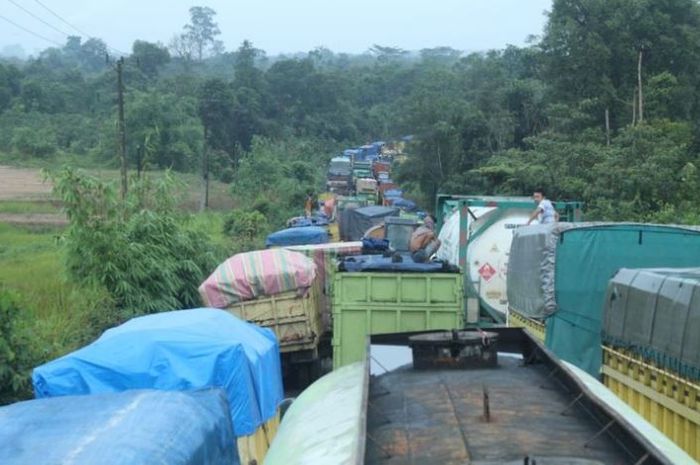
<point x="546" y="210"/>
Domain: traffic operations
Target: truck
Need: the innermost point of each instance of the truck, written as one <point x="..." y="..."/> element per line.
<point x="366" y="186"/>
<point x="340" y="176"/>
<point x="476" y="233"/>
<point x="361" y="169"/>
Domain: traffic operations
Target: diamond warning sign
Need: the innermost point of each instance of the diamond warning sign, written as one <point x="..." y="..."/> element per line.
<point x="487" y="271"/>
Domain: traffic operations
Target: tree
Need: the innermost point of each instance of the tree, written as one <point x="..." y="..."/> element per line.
<point x="150" y="57"/>
<point x="202" y="30"/>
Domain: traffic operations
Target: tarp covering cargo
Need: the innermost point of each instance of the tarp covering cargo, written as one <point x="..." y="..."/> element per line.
<point x="172" y="351"/>
<point x="656" y="314"/>
<point x="129" y="428"/>
<point x="297" y="236"/>
<point x="404" y="204"/>
<point x="355" y="222"/>
<point x="302" y="221"/>
<point x="326" y="423"/>
<point x="325" y="255"/>
<point x="531" y="269"/>
<point x="249" y="275"/>
<point x="561" y="272"/>
<point x="406" y="264"/>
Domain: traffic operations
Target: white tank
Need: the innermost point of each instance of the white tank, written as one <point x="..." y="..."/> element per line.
<point x="489" y="239"/>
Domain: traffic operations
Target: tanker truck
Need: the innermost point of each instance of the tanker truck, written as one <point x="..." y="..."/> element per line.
<point x="476" y="233"/>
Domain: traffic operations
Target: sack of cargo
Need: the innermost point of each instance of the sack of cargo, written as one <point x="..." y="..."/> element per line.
<point x="140" y="427"/>
<point x="655" y="313"/>
<point x="250" y="275"/>
<point x="173" y="351"/>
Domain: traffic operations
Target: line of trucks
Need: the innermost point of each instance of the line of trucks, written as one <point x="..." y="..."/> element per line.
<point x="615" y="302"/>
<point x="364" y="171"/>
<point x="566" y="284"/>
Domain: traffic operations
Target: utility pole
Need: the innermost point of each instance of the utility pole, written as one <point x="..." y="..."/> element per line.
<point x="120" y="125"/>
<point x="205" y="170"/>
<point x="639" y="85"/>
<point x="607" y="127"/>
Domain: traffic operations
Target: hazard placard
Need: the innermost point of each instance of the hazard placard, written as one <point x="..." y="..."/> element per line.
<point x="487" y="271"/>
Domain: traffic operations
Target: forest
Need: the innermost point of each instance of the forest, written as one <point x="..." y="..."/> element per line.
<point x="603" y="106"/>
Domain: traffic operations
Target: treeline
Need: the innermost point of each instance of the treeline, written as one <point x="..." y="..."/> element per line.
<point x="602" y="107"/>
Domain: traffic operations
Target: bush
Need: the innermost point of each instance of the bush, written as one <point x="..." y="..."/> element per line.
<point x="247" y="228"/>
<point x="147" y="256"/>
<point x="16" y="358"/>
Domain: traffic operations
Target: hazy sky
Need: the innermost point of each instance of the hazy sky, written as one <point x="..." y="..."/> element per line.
<point x="287" y="25"/>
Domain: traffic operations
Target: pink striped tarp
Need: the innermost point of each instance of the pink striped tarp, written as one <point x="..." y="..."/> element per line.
<point x="249" y="275"/>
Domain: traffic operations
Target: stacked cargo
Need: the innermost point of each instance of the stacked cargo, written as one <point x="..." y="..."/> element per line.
<point x="274" y="288"/>
<point x="172" y="351"/>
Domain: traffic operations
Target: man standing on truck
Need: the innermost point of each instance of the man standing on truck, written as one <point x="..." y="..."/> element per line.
<point x="544" y="212"/>
<point x="424" y="243"/>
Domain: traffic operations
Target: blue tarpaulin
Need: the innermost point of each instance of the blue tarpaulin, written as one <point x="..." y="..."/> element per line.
<point x="381" y="263"/>
<point x="404" y="204"/>
<point x="128" y="428"/>
<point x="302" y="221"/>
<point x="297" y="236"/>
<point x="174" y="351"/>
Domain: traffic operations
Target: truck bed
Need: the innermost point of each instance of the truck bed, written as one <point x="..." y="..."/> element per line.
<point x="536" y="411"/>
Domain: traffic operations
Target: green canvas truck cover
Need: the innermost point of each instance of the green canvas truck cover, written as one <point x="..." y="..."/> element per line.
<point x="560" y="272"/>
<point x="655" y="313"/>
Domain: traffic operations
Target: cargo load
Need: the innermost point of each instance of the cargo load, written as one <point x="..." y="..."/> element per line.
<point x="355" y="222"/>
<point x="139" y="427"/>
<point x="655" y="313"/>
<point x="560" y="272"/>
<point x="180" y="350"/>
<point x="297" y="236"/>
<point x="250" y="275"/>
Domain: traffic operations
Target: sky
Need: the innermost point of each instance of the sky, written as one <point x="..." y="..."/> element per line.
<point x="284" y="26"/>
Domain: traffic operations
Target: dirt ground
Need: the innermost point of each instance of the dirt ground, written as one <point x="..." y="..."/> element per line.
<point x="28" y="185"/>
<point x="23" y="184"/>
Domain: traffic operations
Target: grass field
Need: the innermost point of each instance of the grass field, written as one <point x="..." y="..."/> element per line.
<point x="58" y="314"/>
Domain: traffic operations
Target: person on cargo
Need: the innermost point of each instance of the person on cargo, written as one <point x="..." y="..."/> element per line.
<point x="424" y="243"/>
<point x="308" y="205"/>
<point x="544" y="212"/>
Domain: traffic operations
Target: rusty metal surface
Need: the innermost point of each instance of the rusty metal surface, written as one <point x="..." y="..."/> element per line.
<point x="454" y="349"/>
<point x="480" y="416"/>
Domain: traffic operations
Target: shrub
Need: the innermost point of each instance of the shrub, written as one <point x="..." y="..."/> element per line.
<point x="148" y="257"/>
<point x="16" y="358"/>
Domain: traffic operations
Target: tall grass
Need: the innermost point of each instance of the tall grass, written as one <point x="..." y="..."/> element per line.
<point x="58" y="316"/>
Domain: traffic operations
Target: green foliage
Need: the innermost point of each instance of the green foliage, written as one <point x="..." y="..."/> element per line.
<point x="15" y="360"/>
<point x="48" y="315"/>
<point x="246" y="228"/>
<point x="146" y="255"/>
<point x="563" y="111"/>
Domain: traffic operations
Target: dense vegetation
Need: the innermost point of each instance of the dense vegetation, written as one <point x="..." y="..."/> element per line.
<point x="603" y="107"/>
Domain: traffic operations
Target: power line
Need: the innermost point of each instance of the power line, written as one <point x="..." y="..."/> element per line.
<point x="37" y="18"/>
<point x="81" y="32"/>
<point x="31" y="32"/>
<point x="61" y="19"/>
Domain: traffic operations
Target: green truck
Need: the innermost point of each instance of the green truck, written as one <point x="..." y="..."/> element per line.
<point x="367" y="303"/>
